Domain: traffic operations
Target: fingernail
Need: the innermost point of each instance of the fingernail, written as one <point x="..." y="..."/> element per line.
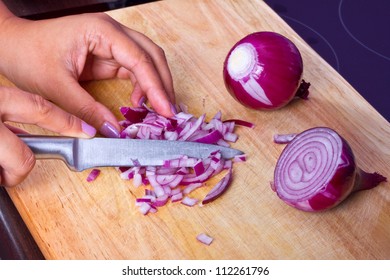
<point x="173" y="108"/>
<point x="88" y="129"/>
<point x="109" y="130"/>
<point x="141" y="101"/>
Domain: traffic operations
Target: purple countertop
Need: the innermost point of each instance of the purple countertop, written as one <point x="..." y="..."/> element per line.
<point x="353" y="36"/>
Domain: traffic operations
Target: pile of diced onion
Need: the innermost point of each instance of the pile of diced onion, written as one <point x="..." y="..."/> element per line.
<point x="177" y="178"/>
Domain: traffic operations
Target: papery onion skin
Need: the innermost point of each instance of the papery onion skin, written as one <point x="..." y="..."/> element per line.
<point x="263" y="71"/>
<point x="343" y="179"/>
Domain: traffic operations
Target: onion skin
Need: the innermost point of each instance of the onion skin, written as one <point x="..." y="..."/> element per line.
<point x="267" y="64"/>
<point x="342" y="179"/>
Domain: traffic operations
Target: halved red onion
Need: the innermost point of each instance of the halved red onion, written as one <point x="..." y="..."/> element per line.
<point x="317" y="171"/>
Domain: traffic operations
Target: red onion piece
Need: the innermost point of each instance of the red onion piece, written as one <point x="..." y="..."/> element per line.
<point x="191" y="187"/>
<point x="211" y="138"/>
<point x="317" y="171"/>
<point x="137" y="180"/>
<point x="178" y="177"/>
<point x="133" y="114"/>
<point x="241" y="123"/>
<point x="143" y="199"/>
<point x="218" y="189"/>
<point x="284" y="138"/>
<point x="204" y="238"/>
<point x="93" y="175"/>
<point x="161" y="201"/>
<point x="264" y="71"/>
<point x="177" y="197"/>
<point x="144" y="208"/>
<point x="188" y="201"/>
<point x="239" y="158"/>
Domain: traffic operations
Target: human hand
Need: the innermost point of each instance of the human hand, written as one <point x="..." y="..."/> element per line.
<point x="51" y="57"/>
<point x="16" y="159"/>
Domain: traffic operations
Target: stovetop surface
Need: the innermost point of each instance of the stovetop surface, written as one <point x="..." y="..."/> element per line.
<point x="353" y="36"/>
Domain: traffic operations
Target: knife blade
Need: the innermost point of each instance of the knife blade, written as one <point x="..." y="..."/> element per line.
<point x="80" y="154"/>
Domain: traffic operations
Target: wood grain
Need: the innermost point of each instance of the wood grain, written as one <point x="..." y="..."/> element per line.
<point x="72" y="219"/>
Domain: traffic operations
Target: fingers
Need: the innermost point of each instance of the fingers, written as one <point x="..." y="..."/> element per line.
<point x="23" y="107"/>
<point x="147" y="63"/>
<point x="16" y="159"/>
<point x="77" y="101"/>
<point x="158" y="57"/>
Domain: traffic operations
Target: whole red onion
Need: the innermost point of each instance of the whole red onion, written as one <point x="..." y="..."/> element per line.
<point x="264" y="71"/>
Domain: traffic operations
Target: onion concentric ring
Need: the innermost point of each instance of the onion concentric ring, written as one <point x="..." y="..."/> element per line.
<point x="307" y="166"/>
<point x="317" y="170"/>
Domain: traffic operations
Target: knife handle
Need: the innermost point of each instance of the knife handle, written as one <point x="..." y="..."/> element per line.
<point x="52" y="147"/>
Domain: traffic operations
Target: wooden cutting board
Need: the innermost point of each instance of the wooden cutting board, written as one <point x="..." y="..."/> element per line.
<point x="73" y="219"/>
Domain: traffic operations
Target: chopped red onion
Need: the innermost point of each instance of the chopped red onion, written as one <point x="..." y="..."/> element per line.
<point x="137" y="180"/>
<point x="230" y="136"/>
<point x="144" y="199"/>
<point x="150" y="192"/>
<point x="152" y="209"/>
<point x="133" y="114"/>
<point x="239" y="158"/>
<point x="284" y="138"/>
<point x="177" y="197"/>
<point x="144" y="208"/>
<point x="179" y="177"/>
<point x="176" y="190"/>
<point x="93" y="175"/>
<point x="204" y="238"/>
<point x="241" y="123"/>
<point x="191" y="187"/>
<point x="218" y="189"/>
<point x="188" y="201"/>
<point x="161" y="200"/>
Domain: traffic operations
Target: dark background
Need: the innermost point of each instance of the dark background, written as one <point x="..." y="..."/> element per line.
<point x="353" y="36"/>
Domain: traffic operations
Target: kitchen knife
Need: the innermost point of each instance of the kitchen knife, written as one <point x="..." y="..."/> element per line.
<point x="80" y="154"/>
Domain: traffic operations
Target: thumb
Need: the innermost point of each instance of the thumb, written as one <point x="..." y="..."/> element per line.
<point x="24" y="107"/>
